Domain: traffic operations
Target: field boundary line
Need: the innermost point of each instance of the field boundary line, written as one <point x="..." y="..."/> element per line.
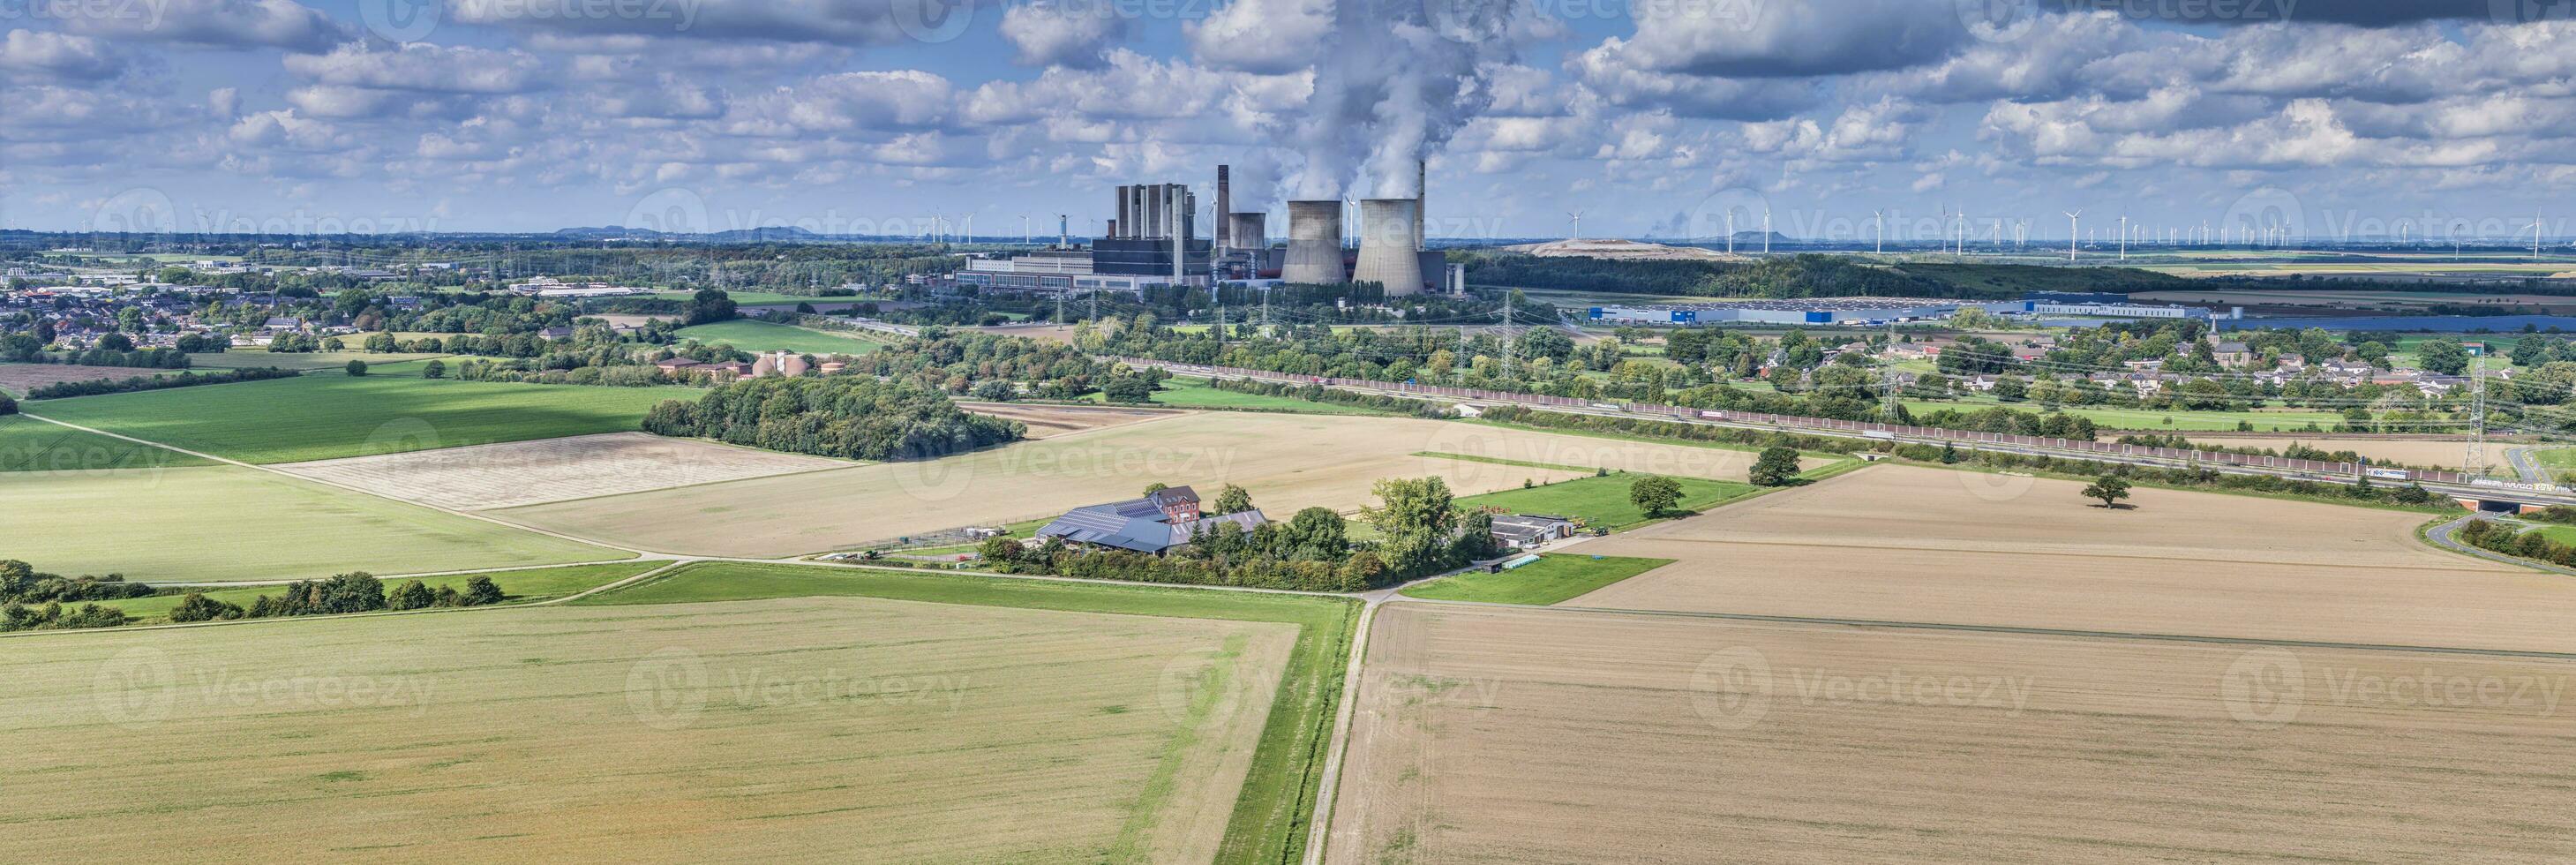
<point x="1319" y="828"/>
<point x="2024" y="630"/>
<point x="2084" y="555"/>
<point x="632" y="552"/>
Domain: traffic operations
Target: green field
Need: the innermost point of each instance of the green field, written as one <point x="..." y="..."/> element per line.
<point x="1602" y="502"/>
<point x="325" y="417"/>
<point x="1184" y="392"/>
<point x="760" y="336"/>
<point x="518" y="586"/>
<point x="227" y="523"/>
<point x="1271" y="816"/>
<point x="1554" y="578"/>
<point x="245" y="358"/>
<point x="30" y="445"/>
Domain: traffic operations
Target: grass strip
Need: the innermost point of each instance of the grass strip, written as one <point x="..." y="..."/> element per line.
<point x="1554" y="578"/>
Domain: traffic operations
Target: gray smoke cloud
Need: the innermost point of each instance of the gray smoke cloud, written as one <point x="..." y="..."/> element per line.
<point x="1400" y="77"/>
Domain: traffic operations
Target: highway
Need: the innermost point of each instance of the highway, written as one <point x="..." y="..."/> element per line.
<point x="2479" y="492"/>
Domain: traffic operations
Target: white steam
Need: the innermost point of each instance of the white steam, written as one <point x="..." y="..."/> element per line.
<point x="1398" y="79"/>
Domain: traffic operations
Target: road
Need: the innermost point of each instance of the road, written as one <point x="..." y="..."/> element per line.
<point x="2526" y="465"/>
<point x="2442" y="536"/>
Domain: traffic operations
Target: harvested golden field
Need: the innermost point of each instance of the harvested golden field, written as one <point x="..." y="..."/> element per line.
<point x="1049" y="421"/>
<point x="810" y="729"/>
<point x="1896" y="543"/>
<point x="1286" y="461"/>
<point x="553" y="470"/>
<point x="19" y="378"/>
<point x="1546" y="735"/>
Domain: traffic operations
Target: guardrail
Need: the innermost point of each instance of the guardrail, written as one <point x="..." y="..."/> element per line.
<point x="1799" y="423"/>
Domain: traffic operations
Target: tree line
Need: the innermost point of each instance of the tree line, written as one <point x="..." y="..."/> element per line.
<point x="96" y="387"/>
<point x="1424" y="533"/>
<point x="845" y="416"/>
<point x="356" y="592"/>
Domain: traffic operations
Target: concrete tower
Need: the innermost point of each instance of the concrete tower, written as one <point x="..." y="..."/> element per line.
<point x="1387" y="227"/>
<point x="1314" y="243"/>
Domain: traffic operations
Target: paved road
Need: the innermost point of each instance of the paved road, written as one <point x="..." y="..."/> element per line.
<point x="2441" y="536"/>
<point x="2524" y="463"/>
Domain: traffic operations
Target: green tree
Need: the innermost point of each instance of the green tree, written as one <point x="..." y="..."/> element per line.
<point x="1655" y="494"/>
<point x="1315" y="534"/>
<point x="1000" y="552"/>
<point x="2109" y="488"/>
<point x="8" y="406"/>
<point x="411" y="595"/>
<point x="2442" y="356"/>
<point x="480" y="590"/>
<point x="1776" y="467"/>
<point x="379" y="342"/>
<point x="1233" y="500"/>
<point x="1156" y="487"/>
<point x="708" y="305"/>
<point x="116" y="342"/>
<point x="196" y="607"/>
<point x="433" y="369"/>
<point x="1127" y="389"/>
<point x="357" y="368"/>
<point x="2011" y="389"/>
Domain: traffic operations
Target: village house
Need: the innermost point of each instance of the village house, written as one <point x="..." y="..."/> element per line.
<point x="1156" y="523"/>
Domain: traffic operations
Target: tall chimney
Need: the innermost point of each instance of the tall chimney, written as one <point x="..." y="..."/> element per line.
<point x="1386" y="245"/>
<point x="1421" y="197"/>
<point x="1314" y="243"/>
<point x="1124" y="218"/>
<point x="1224" y="206"/>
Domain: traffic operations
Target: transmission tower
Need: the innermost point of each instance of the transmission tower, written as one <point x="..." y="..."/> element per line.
<point x="2476" y="463"/>
<point x="1887" y="388"/>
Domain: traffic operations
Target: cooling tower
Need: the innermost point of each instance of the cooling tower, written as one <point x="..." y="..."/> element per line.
<point x="1314" y="243"/>
<point x="1248" y="230"/>
<point x="1386" y="245"/>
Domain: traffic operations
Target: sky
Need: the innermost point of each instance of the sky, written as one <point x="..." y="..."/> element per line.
<point x="2350" y="120"/>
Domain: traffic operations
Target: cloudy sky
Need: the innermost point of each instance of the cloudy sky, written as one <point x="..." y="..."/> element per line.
<point x="2355" y="118"/>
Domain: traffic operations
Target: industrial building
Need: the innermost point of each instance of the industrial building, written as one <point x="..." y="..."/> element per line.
<point x="1153" y="242"/>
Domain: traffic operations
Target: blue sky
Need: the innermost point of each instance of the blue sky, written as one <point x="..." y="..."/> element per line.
<point x="1654" y="117"/>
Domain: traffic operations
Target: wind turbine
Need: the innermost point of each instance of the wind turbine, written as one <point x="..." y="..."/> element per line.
<point x="2535" y="235"/>
<point x="2070" y="233"/>
<point x="1025" y="237"/>
<point x="1766" y="233"/>
<point x="2124" y="237"/>
<point x="1577" y="216"/>
<point x="1730" y="232"/>
<point x="1881" y="216"/>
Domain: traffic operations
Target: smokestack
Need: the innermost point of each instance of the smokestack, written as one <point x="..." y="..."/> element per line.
<point x="1421" y="197"/>
<point x="1386" y="245"/>
<point x="1124" y="218"/>
<point x="1314" y="243"/>
<point x="1224" y="205"/>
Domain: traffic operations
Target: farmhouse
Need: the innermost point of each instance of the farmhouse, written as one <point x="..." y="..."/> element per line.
<point x="1524" y="531"/>
<point x="1158" y="522"/>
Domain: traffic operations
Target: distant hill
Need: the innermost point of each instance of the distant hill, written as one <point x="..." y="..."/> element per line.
<point x="770" y="234"/>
